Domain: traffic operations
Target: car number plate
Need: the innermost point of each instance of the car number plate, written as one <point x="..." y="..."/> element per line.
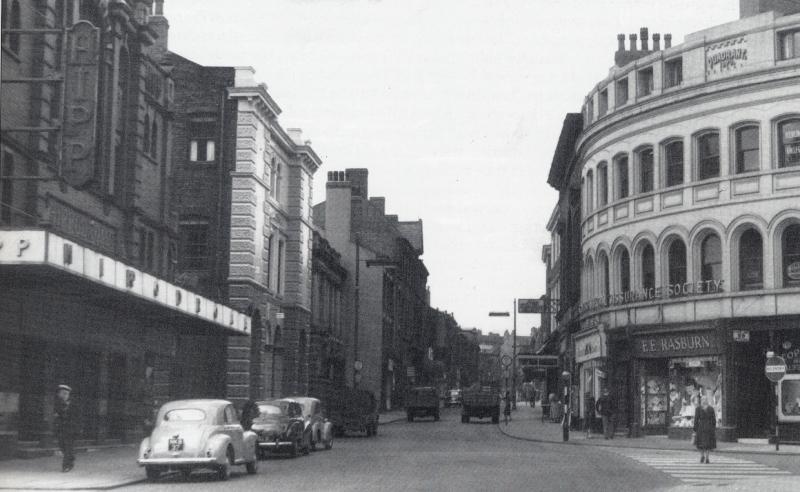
<point x="175" y="444"/>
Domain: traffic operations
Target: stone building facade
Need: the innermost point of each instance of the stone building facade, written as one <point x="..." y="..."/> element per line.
<point x="88" y="240"/>
<point x="689" y="168"/>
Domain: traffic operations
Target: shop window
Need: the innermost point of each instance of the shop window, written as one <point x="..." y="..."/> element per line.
<point x="789" y="44"/>
<point x="589" y="192"/>
<point x="622" y="92"/>
<point x="789" y="393"/>
<point x="602" y="184"/>
<point x="790" y="247"/>
<point x="751" y="259"/>
<point x="648" y="267"/>
<point x="653" y="394"/>
<point x="194" y="245"/>
<point x="673" y="72"/>
<point x="602" y="102"/>
<point x="644" y="81"/>
<point x="711" y="258"/>
<point x="645" y="158"/>
<point x="747" y="149"/>
<point x="624" y="271"/>
<point x="789" y="143"/>
<point x="673" y="163"/>
<point x="621" y="172"/>
<point x="676" y="262"/>
<point x="708" y="156"/>
<point x="690" y="380"/>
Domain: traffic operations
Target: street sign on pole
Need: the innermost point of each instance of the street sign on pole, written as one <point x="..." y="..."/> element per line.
<point x="775" y="368"/>
<point x="505" y="360"/>
<point x="530" y="306"/>
<point x="501" y="314"/>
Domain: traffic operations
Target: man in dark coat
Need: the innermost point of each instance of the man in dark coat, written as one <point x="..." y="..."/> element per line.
<point x="250" y="412"/>
<point x="65" y="423"/>
<point x="606" y="408"/>
<point x="705" y="429"/>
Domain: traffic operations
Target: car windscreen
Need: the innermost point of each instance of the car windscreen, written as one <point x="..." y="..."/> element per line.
<point x="185" y="415"/>
<point x="271" y="411"/>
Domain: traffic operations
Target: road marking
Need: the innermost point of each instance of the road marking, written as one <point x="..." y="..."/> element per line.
<point x="685" y="465"/>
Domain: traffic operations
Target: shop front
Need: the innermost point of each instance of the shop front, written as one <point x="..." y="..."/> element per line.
<point x="590" y="364"/>
<point x="674" y="370"/>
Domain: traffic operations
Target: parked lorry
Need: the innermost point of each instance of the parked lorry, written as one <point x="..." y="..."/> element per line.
<point x="422" y="401"/>
<point x="354" y="411"/>
<point x="480" y="402"/>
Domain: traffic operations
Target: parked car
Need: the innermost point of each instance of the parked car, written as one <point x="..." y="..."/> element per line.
<point x="354" y="410"/>
<point x="193" y="434"/>
<point x="422" y="401"/>
<point x="321" y="427"/>
<point x="280" y="426"/>
<point x="453" y="398"/>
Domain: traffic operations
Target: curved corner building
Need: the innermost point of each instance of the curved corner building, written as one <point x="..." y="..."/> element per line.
<point x="690" y="167"/>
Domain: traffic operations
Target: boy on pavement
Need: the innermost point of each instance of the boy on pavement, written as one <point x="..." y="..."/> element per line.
<point x="606" y="408"/>
<point x="65" y="426"/>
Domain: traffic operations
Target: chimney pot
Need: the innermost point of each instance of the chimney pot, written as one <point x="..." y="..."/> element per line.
<point x="667" y="41"/>
<point x="159" y="7"/>
<point x="656" y="41"/>
<point x="620" y="42"/>
<point x="643" y="34"/>
<point x="632" y="38"/>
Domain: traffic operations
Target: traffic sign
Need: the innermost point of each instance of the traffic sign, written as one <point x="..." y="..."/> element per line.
<point x="775" y="368"/>
<point x="505" y="360"/>
<point x="525" y="306"/>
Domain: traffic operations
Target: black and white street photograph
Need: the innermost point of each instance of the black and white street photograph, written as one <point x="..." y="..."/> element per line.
<point x="400" y="245"/>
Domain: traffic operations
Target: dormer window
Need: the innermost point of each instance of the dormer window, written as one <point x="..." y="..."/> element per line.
<point x="644" y="81"/>
<point x="602" y="102"/>
<point x="673" y="72"/>
<point x="622" y="91"/>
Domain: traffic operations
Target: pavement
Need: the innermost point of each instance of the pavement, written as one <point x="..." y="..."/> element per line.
<point x="526" y="424"/>
<point x="95" y="469"/>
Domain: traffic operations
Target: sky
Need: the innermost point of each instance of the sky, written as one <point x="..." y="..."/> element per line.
<point x="454" y="106"/>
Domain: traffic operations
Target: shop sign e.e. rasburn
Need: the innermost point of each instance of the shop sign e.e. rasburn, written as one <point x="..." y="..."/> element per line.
<point x="676" y="344"/>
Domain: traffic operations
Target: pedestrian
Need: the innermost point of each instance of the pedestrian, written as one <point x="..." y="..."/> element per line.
<point x="705" y="429"/>
<point x="250" y="412"/>
<point x="588" y="420"/>
<point x="606" y="408"/>
<point x="507" y="409"/>
<point x="65" y="426"/>
<point x="151" y="417"/>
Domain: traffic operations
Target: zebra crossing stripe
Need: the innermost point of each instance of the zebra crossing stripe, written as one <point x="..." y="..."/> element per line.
<point x="685" y="466"/>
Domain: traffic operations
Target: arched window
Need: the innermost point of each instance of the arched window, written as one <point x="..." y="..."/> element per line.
<point x="708" y="156"/>
<point x="589" y="191"/>
<point x="602" y="264"/>
<point x="624" y="271"/>
<point x="676" y="262"/>
<point x="648" y="267"/>
<point x="751" y="259"/>
<point x="790" y="243"/>
<point x="645" y="166"/>
<point x="711" y="258"/>
<point x="590" y="293"/>
<point x="673" y="163"/>
<point x="746" y="138"/>
<point x="15" y="22"/>
<point x="789" y="143"/>
<point x="602" y="184"/>
<point x="621" y="176"/>
<point x="146" y="142"/>
<point x="154" y="139"/>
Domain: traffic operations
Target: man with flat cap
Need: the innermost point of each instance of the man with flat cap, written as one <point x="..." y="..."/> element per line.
<point x="65" y="426"/>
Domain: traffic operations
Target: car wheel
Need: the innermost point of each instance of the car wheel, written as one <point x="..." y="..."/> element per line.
<point x="410" y="417"/>
<point x="329" y="444"/>
<point x="307" y="447"/>
<point x="295" y="449"/>
<point x="374" y="429"/>
<point x="224" y="471"/>
<point x="495" y="419"/>
<point x="252" y="467"/>
<point x="436" y="417"/>
<point x="465" y="419"/>
<point x="152" y="473"/>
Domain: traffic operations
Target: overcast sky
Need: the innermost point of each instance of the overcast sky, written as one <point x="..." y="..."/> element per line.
<point x="454" y="106"/>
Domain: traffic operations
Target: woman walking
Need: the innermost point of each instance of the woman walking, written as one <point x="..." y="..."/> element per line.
<point x="705" y="429"/>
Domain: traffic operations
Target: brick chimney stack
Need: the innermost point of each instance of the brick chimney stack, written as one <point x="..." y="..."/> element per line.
<point x="643" y="34"/>
<point x="656" y="41"/>
<point x="667" y="41"/>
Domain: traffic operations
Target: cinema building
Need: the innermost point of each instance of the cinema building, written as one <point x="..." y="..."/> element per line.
<point x="690" y="175"/>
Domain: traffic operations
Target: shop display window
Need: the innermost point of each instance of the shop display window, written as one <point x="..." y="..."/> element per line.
<point x="654" y="400"/>
<point x="789" y="392"/>
<point x="690" y="379"/>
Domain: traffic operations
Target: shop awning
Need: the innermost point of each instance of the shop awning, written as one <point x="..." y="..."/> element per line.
<point x="42" y="260"/>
